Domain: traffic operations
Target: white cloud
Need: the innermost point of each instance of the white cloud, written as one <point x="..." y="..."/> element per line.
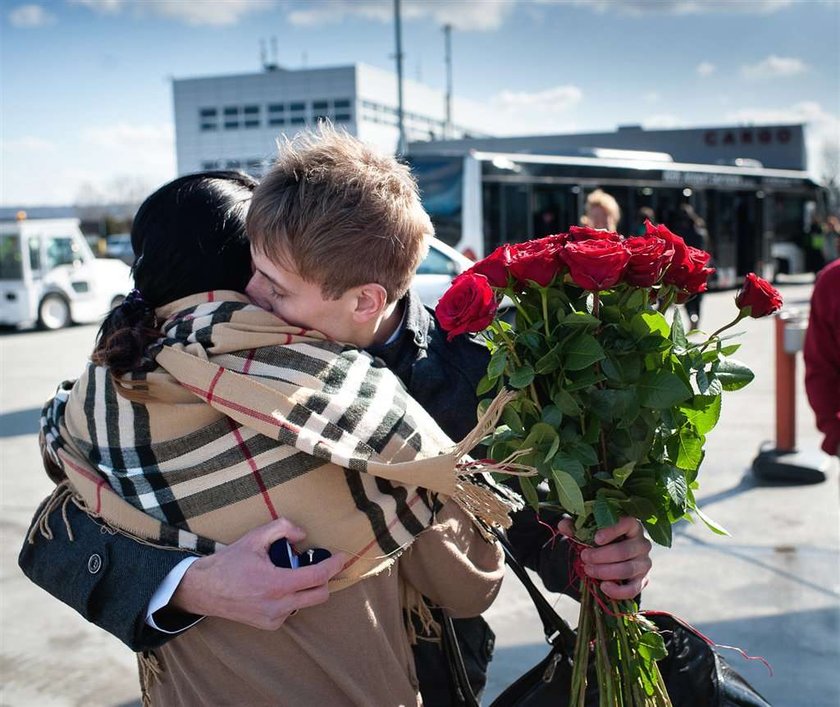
<point x="27" y="144"/>
<point x="29" y="16"/>
<point x="678" y="7"/>
<point x="652" y="97"/>
<point x="706" y="68"/>
<point x="218" y="13"/>
<point x="522" y="112"/>
<point x="465" y="16"/>
<point x="146" y="144"/>
<point x="774" y="67"/>
<point x="662" y="121"/>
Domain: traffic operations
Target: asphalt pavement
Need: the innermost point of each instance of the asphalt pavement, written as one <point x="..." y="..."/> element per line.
<point x="772" y="588"/>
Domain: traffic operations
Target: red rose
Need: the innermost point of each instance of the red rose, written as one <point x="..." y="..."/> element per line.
<point x="759" y="295"/>
<point x="596" y="264"/>
<point x="495" y="266"/>
<point x="467" y="306"/>
<point x="584" y="233"/>
<point x="649" y="256"/>
<point x="695" y="275"/>
<point x="536" y="260"/>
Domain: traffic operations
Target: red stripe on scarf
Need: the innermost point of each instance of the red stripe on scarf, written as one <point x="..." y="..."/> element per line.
<point x="353" y="560"/>
<point x="248" y="360"/>
<point x="93" y="478"/>
<point x="211" y="296"/>
<point x="209" y="394"/>
<point x="247" y="454"/>
<point x="240" y="408"/>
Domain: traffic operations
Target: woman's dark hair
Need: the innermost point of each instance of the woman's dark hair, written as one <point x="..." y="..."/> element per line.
<point x="188" y="237"/>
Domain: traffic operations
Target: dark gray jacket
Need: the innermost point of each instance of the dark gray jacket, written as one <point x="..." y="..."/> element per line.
<point x="109" y="579"/>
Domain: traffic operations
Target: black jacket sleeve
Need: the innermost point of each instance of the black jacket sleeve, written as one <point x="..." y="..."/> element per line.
<point x="107" y="577"/>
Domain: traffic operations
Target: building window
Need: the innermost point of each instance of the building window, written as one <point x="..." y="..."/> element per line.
<point x="297" y="113"/>
<point x="320" y="106"/>
<point x="232" y="164"/>
<point x="341" y="117"/>
<point x="342" y="103"/>
<point x="209" y="118"/>
<point x="276" y="114"/>
<point x="252" y="116"/>
<point x="210" y="165"/>
<point x="231" y="114"/>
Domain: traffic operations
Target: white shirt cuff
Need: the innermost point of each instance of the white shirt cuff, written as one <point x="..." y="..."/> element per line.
<point x="163" y="595"/>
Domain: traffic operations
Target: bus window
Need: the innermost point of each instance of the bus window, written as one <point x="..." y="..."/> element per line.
<point x="515" y="213"/>
<point x="441" y="190"/>
<point x="555" y="209"/>
<point x="61" y="250"/>
<point x="35" y="254"/>
<point x="11" y="266"/>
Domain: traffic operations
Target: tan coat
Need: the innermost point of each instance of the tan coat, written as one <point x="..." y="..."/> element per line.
<point x="352" y="650"/>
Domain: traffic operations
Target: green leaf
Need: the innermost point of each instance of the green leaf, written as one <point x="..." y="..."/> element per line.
<point x="582" y="351"/>
<point x="651" y="646"/>
<point x="677" y="331"/>
<point x="676" y="486"/>
<point x="621" y="473"/>
<point x="540" y="437"/>
<point x="511" y="418"/>
<point x="733" y="375"/>
<point x="497" y="363"/>
<point x="661" y="389"/>
<point x="690" y="452"/>
<point x="703" y="411"/>
<point x="522" y="377"/>
<point x="485" y="385"/>
<point x="647" y="323"/>
<point x="584" y="454"/>
<point x="639" y="507"/>
<point x="552" y="415"/>
<point x="573" y="467"/>
<point x="580" y="319"/>
<point x="529" y="491"/>
<point x="550" y="362"/>
<point x="568" y="492"/>
<point x="566" y="402"/>
<point x="711" y="524"/>
<point x="605" y="514"/>
<point x="659" y="530"/>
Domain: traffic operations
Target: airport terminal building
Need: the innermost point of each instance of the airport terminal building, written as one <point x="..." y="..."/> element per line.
<point x="233" y="122"/>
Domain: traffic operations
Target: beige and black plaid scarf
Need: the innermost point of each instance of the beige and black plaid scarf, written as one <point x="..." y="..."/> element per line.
<point x="246" y="419"/>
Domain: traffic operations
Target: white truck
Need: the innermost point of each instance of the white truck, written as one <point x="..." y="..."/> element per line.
<point x="49" y="275"/>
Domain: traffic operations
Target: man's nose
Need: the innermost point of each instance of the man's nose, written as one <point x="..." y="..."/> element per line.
<point x="252" y="290"/>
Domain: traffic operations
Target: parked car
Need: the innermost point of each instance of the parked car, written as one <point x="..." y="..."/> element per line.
<point x="436" y="272"/>
<point x="49" y="275"/>
<point x="118" y="245"/>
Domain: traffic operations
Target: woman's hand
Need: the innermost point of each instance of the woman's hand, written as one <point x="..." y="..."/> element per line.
<point x="622" y="559"/>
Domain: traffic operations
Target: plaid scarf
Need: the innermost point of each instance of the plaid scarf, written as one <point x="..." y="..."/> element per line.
<point x="245" y="419"/>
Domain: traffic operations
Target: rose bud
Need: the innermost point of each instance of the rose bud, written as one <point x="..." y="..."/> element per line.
<point x="495" y="266"/>
<point x="759" y="295"/>
<point x="468" y="306"/>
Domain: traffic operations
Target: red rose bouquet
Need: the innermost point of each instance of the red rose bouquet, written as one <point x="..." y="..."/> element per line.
<point x="615" y="406"/>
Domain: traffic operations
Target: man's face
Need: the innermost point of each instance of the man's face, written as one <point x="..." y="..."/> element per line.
<point x="278" y="288"/>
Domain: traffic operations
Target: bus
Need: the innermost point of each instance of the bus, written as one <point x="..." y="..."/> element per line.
<point x="756" y="217"/>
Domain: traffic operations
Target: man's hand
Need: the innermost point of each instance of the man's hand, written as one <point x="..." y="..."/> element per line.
<point x="239" y="582"/>
<point x="622" y="560"/>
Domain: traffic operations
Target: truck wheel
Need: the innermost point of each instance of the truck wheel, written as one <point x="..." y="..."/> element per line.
<point x="53" y="312"/>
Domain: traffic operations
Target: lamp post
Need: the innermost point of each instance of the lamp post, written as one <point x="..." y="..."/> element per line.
<point x="401" y="144"/>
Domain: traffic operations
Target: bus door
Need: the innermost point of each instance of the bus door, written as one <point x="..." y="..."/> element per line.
<point x="554" y="209"/>
<point x="506" y="214"/>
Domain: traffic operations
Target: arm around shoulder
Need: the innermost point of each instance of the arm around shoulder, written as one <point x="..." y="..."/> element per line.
<point x="106" y="577"/>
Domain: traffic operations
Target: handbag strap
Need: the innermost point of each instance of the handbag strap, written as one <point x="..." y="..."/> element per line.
<point x="555" y="627"/>
<point x="558" y="633"/>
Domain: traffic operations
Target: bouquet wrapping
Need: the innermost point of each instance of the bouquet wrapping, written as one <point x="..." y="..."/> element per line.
<point x="615" y="403"/>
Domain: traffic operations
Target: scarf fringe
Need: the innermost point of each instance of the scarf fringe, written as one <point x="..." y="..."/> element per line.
<point x="486" y="423"/>
<point x="59" y="498"/>
<point x="413" y="604"/>
<point x="150" y="671"/>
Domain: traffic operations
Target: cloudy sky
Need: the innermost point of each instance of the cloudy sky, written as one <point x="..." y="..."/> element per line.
<point x="87" y="96"/>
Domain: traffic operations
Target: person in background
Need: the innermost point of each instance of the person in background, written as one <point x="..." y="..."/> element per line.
<point x="814" y="258"/>
<point x="643" y="214"/>
<point x="831" y="245"/>
<point x="822" y="356"/>
<point x="602" y="211"/>
<point x="693" y="230"/>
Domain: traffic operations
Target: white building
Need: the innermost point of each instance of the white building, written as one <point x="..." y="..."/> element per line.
<point x="233" y="122"/>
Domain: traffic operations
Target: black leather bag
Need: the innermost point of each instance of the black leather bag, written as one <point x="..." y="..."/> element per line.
<point x="695" y="674"/>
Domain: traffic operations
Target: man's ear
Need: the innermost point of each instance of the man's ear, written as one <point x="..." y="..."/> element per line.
<point x="371" y="301"/>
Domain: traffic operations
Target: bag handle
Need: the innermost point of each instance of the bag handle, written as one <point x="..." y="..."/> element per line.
<point x="558" y="633"/>
<point x="555" y="627"/>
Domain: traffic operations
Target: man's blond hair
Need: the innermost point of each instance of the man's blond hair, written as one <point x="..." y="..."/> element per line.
<point x="340" y="214"/>
<point x="606" y="201"/>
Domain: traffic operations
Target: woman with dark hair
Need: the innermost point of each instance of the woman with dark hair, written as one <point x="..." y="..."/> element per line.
<point x="187" y="237"/>
<point x="202" y="417"/>
<point x="692" y="228"/>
